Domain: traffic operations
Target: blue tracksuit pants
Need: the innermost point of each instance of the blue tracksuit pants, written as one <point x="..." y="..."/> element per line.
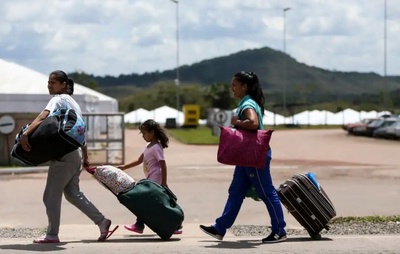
<point x="243" y="178"/>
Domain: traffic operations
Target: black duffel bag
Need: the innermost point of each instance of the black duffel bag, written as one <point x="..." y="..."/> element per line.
<point x="60" y="133"/>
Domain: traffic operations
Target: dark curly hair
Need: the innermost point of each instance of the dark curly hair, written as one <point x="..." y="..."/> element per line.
<point x="151" y="125"/>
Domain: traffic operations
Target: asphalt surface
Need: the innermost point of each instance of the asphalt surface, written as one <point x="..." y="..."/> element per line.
<point x="360" y="175"/>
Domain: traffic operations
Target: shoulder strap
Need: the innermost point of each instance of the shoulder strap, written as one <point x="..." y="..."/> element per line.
<point x="66" y="102"/>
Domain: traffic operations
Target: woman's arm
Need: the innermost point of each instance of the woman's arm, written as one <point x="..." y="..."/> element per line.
<point x="250" y="123"/>
<point x="31" y="128"/>
<point x="85" y="156"/>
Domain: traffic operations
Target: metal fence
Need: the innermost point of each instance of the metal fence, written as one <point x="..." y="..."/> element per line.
<point x="105" y="138"/>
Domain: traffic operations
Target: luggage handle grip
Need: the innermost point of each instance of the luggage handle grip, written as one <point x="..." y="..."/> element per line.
<point x="164" y="187"/>
<point x="170" y="193"/>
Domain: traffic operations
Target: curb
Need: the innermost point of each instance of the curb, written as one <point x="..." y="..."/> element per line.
<point x="23" y="170"/>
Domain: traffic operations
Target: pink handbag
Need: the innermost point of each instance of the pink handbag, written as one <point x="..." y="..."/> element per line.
<point x="242" y="147"/>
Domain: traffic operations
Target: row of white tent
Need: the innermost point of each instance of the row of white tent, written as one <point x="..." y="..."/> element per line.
<point x="324" y="117"/>
<point x="313" y="117"/>
<point x="159" y="115"/>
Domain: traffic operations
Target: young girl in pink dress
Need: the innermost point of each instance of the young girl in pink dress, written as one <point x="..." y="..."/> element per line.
<point x="153" y="160"/>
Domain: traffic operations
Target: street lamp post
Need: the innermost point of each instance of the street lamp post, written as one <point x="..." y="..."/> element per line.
<point x="177" y="57"/>
<point x="285" y="60"/>
<point x="384" y="59"/>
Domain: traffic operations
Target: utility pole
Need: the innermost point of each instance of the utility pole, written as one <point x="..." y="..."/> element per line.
<point x="285" y="60"/>
<point x="177" y="82"/>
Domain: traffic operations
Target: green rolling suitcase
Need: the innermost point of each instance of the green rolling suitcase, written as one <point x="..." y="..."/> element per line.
<point x="155" y="205"/>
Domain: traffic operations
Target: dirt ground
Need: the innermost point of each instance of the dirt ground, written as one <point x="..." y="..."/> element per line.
<point x="360" y="175"/>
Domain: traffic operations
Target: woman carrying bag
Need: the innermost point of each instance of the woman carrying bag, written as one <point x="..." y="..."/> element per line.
<point x="246" y="87"/>
<point x="63" y="174"/>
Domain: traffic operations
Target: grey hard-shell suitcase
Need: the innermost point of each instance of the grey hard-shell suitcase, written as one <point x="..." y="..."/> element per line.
<point x="305" y="199"/>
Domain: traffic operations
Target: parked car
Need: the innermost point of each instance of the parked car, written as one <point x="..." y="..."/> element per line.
<point x="391" y="131"/>
<point x="361" y="129"/>
<point x="382" y="132"/>
<point x="397" y="131"/>
<point x="350" y="127"/>
<point x="374" y="125"/>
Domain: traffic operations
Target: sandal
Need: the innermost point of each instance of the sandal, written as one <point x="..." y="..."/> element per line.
<point x="105" y="232"/>
<point x="104" y="235"/>
<point x="43" y="239"/>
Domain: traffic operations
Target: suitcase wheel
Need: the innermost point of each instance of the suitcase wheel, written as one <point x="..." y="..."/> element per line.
<point x="315" y="236"/>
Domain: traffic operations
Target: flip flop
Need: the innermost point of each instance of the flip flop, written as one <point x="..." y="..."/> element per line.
<point x="109" y="233"/>
<point x="46" y="240"/>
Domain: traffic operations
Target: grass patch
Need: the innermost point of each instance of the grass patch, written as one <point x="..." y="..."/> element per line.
<point x="203" y="135"/>
<point x="200" y="136"/>
<point x="302" y="127"/>
<point x="364" y="219"/>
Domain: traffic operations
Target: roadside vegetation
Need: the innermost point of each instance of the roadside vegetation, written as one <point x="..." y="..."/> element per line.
<point x="366" y="219"/>
<point x="203" y="135"/>
<point x="194" y="136"/>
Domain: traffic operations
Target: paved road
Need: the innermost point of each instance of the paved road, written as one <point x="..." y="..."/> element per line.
<point x="76" y="242"/>
<point x="360" y="175"/>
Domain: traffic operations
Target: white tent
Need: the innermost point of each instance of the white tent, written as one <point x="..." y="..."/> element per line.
<point x="137" y="116"/>
<point x="382" y="113"/>
<point x="301" y="118"/>
<point x="351" y="116"/>
<point x="271" y="118"/>
<point x="25" y="90"/>
<point x="159" y="115"/>
<point x="370" y="114"/>
<point x="347" y="116"/>
<point x="314" y="117"/>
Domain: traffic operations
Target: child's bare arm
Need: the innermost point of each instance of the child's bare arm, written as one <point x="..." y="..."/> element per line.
<point x="163" y="173"/>
<point x="132" y="164"/>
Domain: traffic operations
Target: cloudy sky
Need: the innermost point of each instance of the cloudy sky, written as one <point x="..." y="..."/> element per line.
<point x="112" y="37"/>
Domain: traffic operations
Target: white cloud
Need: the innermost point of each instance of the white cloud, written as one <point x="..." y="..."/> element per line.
<point x="136" y="36"/>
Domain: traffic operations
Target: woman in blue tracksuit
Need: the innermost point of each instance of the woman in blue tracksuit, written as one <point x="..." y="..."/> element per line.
<point x="249" y="115"/>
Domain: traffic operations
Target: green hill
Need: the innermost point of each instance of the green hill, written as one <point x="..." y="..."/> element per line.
<point x="303" y="82"/>
<point x="270" y="66"/>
